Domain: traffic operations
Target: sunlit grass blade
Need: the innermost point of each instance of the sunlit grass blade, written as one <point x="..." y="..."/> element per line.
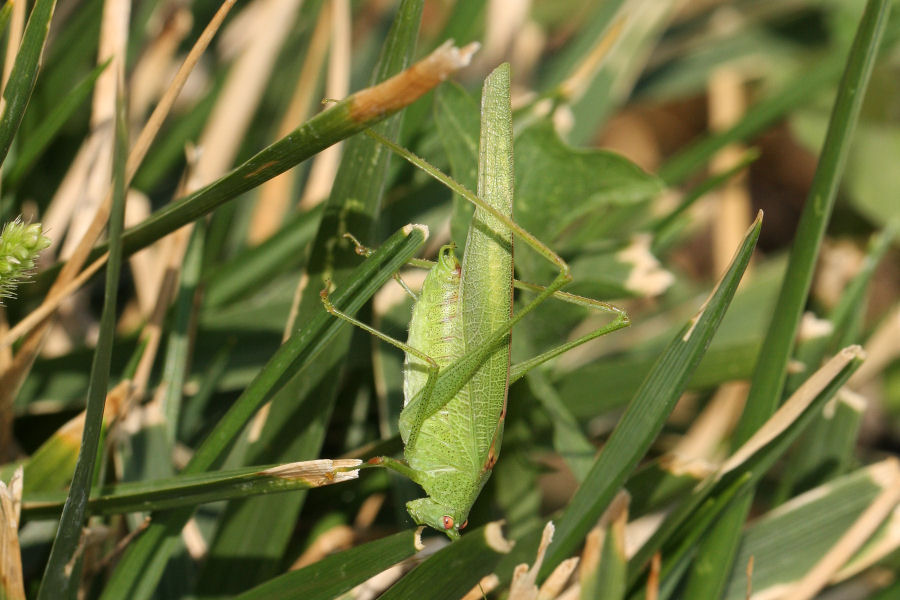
<point x="5" y="14"/>
<point x="50" y="467"/>
<point x="770" y="371"/>
<point x="137" y="573"/>
<point x="12" y="584"/>
<point x="603" y="561"/>
<point x="358" y="564"/>
<point x="826" y="449"/>
<point x="21" y="81"/>
<point x="683" y="527"/>
<point x="341" y="120"/>
<point x="786" y="543"/>
<point x="646" y="413"/>
<point x="190" y="490"/>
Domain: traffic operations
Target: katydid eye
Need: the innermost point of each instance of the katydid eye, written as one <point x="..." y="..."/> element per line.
<point x="448" y="522"/>
<point x="465" y="524"/>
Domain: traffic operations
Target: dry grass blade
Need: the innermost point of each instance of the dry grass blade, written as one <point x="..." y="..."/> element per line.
<point x="13" y="585"/>
<point x="148" y="133"/>
<point x="113" y="43"/>
<point x="275" y="194"/>
<point x="325" y="165"/>
<point x="727" y="105"/>
<point x="16" y="27"/>
<point x="237" y="102"/>
<point x="793" y="408"/>
<point x="523" y="586"/>
<point x="576" y="84"/>
<point x="148" y="77"/>
<point x="883" y="347"/>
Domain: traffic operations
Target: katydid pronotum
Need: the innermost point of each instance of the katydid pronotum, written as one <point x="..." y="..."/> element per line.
<point x="458" y="368"/>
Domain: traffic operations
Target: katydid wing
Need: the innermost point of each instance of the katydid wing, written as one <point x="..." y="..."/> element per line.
<point x="458" y="372"/>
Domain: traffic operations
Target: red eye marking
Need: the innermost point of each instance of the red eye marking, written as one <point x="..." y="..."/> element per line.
<point x="465" y="524"/>
<point x="448" y="522"/>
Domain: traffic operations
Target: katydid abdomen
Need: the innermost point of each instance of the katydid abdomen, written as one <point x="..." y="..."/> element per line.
<point x="443" y="456"/>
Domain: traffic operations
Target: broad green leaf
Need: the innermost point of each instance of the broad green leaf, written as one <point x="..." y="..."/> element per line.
<point x="58" y="574"/>
<point x="584" y="183"/>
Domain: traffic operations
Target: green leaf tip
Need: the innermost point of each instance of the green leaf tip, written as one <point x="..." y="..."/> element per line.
<point x="20" y="244"/>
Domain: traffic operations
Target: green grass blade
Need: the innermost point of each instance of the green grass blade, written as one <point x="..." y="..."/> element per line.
<point x="38" y="140"/>
<point x="5" y="14"/>
<point x="747" y="466"/>
<point x="579" y="49"/>
<point x="455" y="569"/>
<point x="852" y="303"/>
<point x="826" y="449"/>
<point x="190" y="490"/>
<point x="787" y="543"/>
<point x="769" y="375"/>
<point x="141" y="566"/>
<point x="646" y="413"/>
<point x="603" y="569"/>
<point x="178" y="348"/>
<point x="56" y="580"/>
<point x="319" y="580"/>
<point x="255" y="266"/>
<point x="24" y="73"/>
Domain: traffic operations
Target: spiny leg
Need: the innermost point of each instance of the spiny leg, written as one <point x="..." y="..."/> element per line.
<point x="431" y="365"/>
<point x="563" y="277"/>
<point x="519" y="370"/>
<point x="365" y="251"/>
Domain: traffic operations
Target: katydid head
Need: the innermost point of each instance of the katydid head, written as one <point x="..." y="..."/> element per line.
<point x="447" y="260"/>
<point x="426" y="511"/>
